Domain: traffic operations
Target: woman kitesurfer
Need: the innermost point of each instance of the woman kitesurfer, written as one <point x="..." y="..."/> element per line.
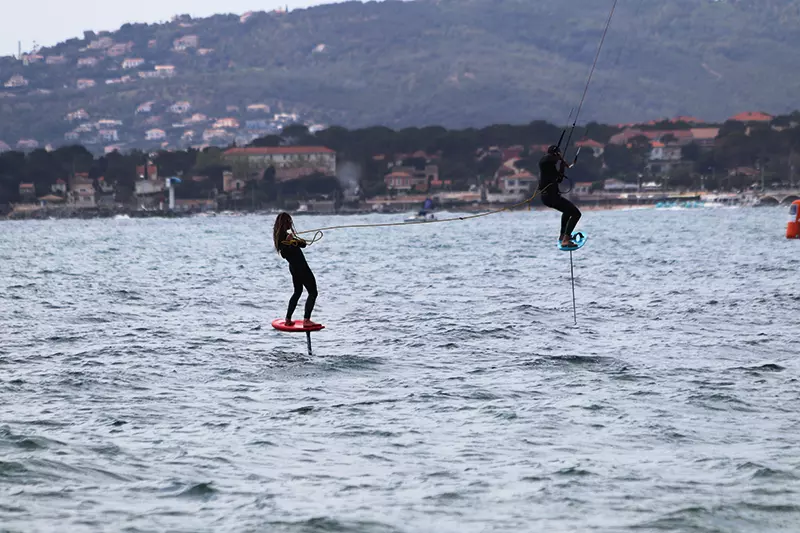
<point x="289" y="245"/>
<point x="551" y="172"/>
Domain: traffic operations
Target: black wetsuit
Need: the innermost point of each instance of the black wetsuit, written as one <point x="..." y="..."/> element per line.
<point x="301" y="277"/>
<point x="549" y="177"/>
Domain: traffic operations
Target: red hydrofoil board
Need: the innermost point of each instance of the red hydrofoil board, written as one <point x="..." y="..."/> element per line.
<point x="296" y="327"/>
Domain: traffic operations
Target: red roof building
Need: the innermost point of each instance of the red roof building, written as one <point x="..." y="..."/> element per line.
<point x="752" y="116"/>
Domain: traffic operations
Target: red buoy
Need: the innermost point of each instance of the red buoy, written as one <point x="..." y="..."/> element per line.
<point x="793" y="227"/>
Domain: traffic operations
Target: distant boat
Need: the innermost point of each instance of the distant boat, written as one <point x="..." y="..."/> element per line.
<point x="421" y="217"/>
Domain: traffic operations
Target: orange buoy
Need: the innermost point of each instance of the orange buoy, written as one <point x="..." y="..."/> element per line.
<point x="793" y="227"/>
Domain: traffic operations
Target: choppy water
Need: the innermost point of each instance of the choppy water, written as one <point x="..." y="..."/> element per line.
<point x="142" y="388"/>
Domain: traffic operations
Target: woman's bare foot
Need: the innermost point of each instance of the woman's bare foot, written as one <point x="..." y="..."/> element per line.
<point x="288" y="322"/>
<point x="307" y="323"/>
<point x="568" y="243"/>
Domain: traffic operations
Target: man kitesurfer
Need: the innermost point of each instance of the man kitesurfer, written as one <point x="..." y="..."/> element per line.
<point x="551" y="172"/>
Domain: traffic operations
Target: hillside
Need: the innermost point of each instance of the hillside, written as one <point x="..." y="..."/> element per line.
<point x="457" y="63"/>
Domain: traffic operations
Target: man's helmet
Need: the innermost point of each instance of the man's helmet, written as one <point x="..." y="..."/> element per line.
<point x="553" y="150"/>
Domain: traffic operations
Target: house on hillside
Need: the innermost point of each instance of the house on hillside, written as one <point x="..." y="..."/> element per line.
<point x="85" y="83"/>
<point x="244" y="18"/>
<point x="205" y="51"/>
<point x="146" y="107"/>
<point x="101" y="44"/>
<point x="27" y="144"/>
<point x="120" y="49"/>
<point x="108" y="135"/>
<point x="185" y="42"/>
<point x="212" y="134"/>
<point x="155" y="134"/>
<point x="56" y="60"/>
<point x="165" y="71"/>
<point x="230" y="123"/>
<point x="180" y="107"/>
<point x="72" y="136"/>
<point x="16" y="81"/>
<point x="132" y="62"/>
<point x="88" y="62"/>
<point x="80" y="114"/>
<point x="30" y="59"/>
<point x="196" y="118"/>
<point x="4" y="147"/>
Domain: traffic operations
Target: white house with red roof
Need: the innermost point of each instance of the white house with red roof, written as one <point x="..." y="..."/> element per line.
<point x="520" y="184"/>
<point x="597" y="148"/>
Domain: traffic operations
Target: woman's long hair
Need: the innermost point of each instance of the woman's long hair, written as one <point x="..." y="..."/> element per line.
<point x="283" y="224"/>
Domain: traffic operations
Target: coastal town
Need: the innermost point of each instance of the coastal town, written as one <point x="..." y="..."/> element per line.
<point x="105" y="62"/>
<point x="255" y="177"/>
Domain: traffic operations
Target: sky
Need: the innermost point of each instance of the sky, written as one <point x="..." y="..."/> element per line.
<point x="48" y="22"/>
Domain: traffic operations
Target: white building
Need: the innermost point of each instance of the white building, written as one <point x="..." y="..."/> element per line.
<point x="155" y="135"/>
<point x="300" y="159"/>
